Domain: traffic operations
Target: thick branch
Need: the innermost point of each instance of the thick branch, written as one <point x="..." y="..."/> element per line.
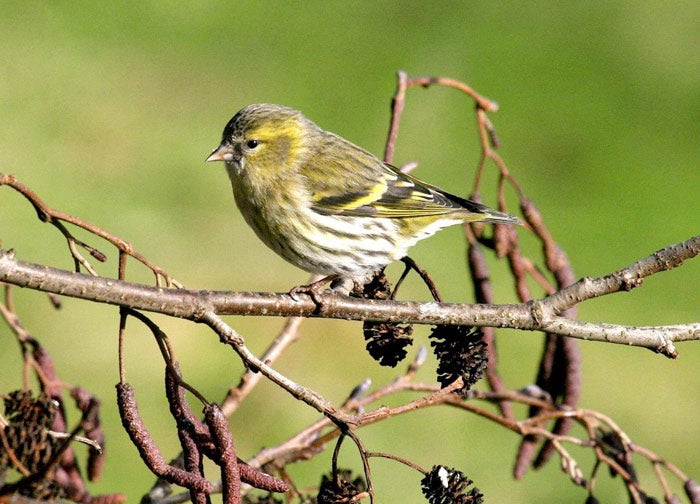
<point x="538" y="315"/>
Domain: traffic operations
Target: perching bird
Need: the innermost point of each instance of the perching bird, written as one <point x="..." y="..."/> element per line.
<point x="326" y="205"/>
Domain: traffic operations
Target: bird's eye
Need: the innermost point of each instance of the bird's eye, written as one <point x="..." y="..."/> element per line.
<point x="252" y="144"/>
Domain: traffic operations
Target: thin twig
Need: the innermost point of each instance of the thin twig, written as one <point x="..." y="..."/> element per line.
<point x="57" y="218"/>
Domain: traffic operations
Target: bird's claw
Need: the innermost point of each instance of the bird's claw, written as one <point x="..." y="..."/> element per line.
<point x="313" y="290"/>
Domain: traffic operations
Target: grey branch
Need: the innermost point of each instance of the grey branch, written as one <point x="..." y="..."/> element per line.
<point x="538" y="315"/>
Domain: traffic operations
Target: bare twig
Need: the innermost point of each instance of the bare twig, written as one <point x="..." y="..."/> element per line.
<point x="57" y="218"/>
<point x="538" y="315"/>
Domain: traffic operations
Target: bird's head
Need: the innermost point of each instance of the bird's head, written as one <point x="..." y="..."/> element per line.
<point x="264" y="139"/>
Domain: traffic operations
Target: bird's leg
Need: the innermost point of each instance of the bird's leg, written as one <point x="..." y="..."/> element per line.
<point x="425" y="276"/>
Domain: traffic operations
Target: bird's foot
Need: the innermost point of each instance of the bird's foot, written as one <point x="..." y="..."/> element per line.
<point x="313" y="290"/>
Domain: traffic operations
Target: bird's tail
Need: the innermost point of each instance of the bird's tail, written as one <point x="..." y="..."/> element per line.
<point x="496" y="217"/>
<point x="476" y="212"/>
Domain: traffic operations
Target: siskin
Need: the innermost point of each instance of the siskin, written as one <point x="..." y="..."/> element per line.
<point x="326" y="205"/>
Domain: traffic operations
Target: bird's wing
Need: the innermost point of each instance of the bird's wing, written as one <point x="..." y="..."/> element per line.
<point x="361" y="185"/>
<point x="381" y="190"/>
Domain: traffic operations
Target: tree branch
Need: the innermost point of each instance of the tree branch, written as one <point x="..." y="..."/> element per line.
<point x="538" y="315"/>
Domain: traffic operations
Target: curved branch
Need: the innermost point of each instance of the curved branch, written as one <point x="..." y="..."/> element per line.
<point x="539" y="315"/>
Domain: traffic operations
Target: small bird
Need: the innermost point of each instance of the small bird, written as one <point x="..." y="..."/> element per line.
<point x="326" y="205"/>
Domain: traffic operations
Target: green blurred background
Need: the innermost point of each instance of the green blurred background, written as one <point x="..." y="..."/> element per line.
<point x="108" y="112"/>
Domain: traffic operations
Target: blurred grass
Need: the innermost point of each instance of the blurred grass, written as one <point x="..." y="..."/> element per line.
<point x="109" y="110"/>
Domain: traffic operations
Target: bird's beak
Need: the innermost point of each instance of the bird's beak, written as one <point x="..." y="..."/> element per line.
<point x="222" y="153"/>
